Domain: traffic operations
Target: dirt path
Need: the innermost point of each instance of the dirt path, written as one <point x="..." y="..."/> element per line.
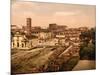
<point x="85" y="65"/>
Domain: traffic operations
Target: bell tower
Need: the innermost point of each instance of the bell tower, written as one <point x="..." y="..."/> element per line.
<point x="28" y="22"/>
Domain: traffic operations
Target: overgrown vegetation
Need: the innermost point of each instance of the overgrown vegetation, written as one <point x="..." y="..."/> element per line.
<point x="70" y="64"/>
<point x="29" y="61"/>
<point x="88" y="44"/>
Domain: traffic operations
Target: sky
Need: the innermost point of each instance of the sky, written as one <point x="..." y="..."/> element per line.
<point x="42" y="14"/>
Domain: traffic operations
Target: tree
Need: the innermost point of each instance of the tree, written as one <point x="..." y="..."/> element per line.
<point x="87" y="48"/>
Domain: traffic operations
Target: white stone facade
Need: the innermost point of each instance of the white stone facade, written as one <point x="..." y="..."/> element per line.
<point x="19" y="41"/>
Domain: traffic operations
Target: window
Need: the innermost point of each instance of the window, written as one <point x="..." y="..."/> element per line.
<point x="17" y="44"/>
<point x="22" y="45"/>
<point x="25" y="44"/>
<point x="13" y="44"/>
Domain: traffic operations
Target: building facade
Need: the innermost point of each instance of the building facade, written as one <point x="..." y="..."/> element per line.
<point x="19" y="41"/>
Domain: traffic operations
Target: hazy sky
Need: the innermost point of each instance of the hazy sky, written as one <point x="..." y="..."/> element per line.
<point x="43" y="14"/>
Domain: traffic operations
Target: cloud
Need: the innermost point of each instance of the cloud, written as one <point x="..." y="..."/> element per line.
<point x="66" y="13"/>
